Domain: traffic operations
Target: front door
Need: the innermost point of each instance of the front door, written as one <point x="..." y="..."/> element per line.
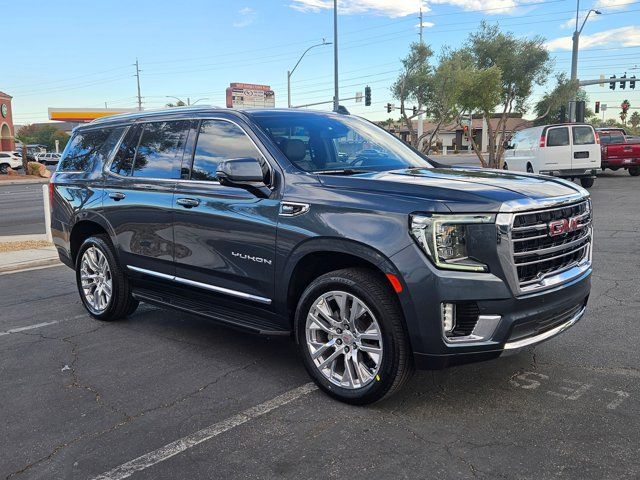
<point x="224" y="236"/>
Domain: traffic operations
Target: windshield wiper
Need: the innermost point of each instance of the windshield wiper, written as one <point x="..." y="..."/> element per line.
<point x="341" y="171"/>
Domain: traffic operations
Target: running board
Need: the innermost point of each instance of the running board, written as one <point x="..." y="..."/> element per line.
<point x="220" y="314"/>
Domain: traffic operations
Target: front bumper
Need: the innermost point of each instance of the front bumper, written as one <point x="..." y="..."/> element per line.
<point x="524" y="320"/>
<point x="572" y="173"/>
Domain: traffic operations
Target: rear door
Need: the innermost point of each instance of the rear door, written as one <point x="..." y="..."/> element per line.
<point x="139" y="193"/>
<point x="556" y="154"/>
<point x="585" y="151"/>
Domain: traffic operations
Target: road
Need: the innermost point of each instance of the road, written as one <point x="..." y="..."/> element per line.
<point x="21" y="209"/>
<point x="81" y="397"/>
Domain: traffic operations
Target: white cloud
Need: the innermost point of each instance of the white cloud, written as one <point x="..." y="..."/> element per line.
<point x="246" y="16"/>
<point x="571" y="22"/>
<point x="426" y="24"/>
<point x="388" y="8"/>
<point x="623" y="37"/>
<point x="613" y="4"/>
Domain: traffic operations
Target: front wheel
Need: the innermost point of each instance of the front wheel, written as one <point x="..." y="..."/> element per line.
<point x="505" y="166"/>
<point x="586" y="182"/>
<point x="634" y="171"/>
<point x="103" y="286"/>
<point x="350" y="332"/>
<point x="4" y="168"/>
<point x="529" y="168"/>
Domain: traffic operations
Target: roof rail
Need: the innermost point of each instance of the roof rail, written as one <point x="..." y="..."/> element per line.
<point x="143" y="113"/>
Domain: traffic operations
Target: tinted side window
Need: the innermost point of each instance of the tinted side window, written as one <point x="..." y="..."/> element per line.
<point x="219" y="140"/>
<point x="123" y="161"/>
<point x="86" y="148"/>
<point x="159" y="153"/>
<point x="583" y="135"/>
<point x="558" y="137"/>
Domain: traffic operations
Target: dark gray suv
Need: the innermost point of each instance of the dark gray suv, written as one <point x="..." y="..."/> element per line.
<point x="324" y="227"/>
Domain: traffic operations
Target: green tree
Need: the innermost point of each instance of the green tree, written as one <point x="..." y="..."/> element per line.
<point x="523" y="64"/>
<point x="179" y="103"/>
<point x="43" y="135"/>
<point x="548" y="108"/>
<point x="634" y="120"/>
<point x="411" y="85"/>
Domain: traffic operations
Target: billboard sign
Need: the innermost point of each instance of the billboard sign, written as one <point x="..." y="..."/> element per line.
<point x="250" y="95"/>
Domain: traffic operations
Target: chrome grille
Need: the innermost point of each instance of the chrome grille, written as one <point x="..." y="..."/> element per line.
<point x="536" y="254"/>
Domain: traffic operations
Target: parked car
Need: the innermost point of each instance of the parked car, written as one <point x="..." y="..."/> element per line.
<point x="372" y="270"/>
<point x="9" y="159"/>
<point x="619" y="151"/>
<point x="565" y="151"/>
<point x="48" y="158"/>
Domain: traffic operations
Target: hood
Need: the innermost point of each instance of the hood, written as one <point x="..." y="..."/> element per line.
<point x="460" y="189"/>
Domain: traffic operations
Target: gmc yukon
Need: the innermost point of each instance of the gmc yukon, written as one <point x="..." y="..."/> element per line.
<point x="324" y="227"/>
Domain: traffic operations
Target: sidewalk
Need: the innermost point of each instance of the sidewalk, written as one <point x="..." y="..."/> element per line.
<point x="22" y="180"/>
<point x="34" y="257"/>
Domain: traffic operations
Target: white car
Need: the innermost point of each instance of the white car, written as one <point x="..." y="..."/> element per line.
<point x="48" y="158"/>
<point x="9" y="159"/>
<point x="565" y="150"/>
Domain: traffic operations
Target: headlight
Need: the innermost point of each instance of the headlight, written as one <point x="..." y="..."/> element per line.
<point x="444" y="239"/>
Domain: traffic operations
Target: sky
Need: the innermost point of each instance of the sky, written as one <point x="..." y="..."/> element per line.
<point x="80" y="54"/>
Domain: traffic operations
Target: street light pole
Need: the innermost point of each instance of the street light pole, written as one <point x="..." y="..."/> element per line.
<point x="576" y="39"/>
<point x="290" y="72"/>
<point x="336" y="97"/>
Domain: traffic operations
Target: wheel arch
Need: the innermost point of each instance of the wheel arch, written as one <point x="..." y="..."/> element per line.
<point x="86" y="225"/>
<point x="316" y="257"/>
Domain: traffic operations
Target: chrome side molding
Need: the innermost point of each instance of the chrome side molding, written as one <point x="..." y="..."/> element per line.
<point x="206" y="286"/>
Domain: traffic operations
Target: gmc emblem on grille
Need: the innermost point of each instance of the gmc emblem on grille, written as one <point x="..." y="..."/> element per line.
<point x="561" y="227"/>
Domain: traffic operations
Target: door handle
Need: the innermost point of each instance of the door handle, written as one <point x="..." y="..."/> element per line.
<point x="117" y="196"/>
<point x="188" y="202"/>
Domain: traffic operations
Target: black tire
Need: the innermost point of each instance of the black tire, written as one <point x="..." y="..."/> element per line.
<point x="122" y="303"/>
<point x="396" y="366"/>
<point x="634" y="171"/>
<point x="505" y="166"/>
<point x="3" y="168"/>
<point x="529" y="168"/>
<point x="587" y="182"/>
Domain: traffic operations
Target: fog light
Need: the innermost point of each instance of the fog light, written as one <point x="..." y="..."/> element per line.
<point x="448" y="314"/>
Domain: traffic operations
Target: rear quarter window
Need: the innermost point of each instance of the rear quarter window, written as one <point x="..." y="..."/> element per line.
<point x="583" y="135"/>
<point x="87" y="148"/>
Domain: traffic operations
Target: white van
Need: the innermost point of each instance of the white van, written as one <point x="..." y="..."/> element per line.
<point x="566" y="150"/>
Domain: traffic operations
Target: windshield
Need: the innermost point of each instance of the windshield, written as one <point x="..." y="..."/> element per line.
<point x="331" y="143"/>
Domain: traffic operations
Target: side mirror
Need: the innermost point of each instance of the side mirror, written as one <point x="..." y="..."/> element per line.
<point x="247" y="173"/>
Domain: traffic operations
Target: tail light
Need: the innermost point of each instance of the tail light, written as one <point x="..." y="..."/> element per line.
<point x="597" y="138"/>
<point x="52" y="189"/>
<point x="542" y="141"/>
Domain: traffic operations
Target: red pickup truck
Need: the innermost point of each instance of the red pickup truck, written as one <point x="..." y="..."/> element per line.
<point x="618" y="151"/>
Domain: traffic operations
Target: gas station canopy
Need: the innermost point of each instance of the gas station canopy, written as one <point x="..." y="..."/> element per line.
<point x="84" y="115"/>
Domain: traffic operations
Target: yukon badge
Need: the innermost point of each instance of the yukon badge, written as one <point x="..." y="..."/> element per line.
<point x="244" y="256"/>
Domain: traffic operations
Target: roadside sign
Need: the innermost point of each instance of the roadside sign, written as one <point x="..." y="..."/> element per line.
<point x="358" y="97"/>
<point x="250" y="95"/>
<point x="603" y="107"/>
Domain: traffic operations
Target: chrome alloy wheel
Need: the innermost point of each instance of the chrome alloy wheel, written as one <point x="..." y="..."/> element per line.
<point x="95" y="277"/>
<point x="344" y="339"/>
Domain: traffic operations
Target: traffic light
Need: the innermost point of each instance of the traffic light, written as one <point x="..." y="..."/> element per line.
<point x="597" y="107"/>
<point x="389" y="107"/>
<point x="612" y="85"/>
<point x="623" y="82"/>
<point x="367" y="96"/>
<point x="402" y="109"/>
<point x="465" y="130"/>
<point x="415" y="110"/>
<point x="632" y="82"/>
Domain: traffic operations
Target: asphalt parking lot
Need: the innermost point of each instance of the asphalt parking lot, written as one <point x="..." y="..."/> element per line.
<point x="168" y="395"/>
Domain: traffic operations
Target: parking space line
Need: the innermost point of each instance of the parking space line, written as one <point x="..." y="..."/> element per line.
<point x="174" y="448"/>
<point x="38" y="325"/>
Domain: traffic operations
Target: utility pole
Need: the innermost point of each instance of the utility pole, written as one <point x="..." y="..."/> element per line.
<point x="576" y="39"/>
<point x="420" y="126"/>
<point x="336" y="96"/>
<point x="138" y="80"/>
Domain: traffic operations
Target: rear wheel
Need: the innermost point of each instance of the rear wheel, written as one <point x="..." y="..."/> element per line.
<point x="104" y="288"/>
<point x="4" y="167"/>
<point x="529" y="168"/>
<point x="634" y="171"/>
<point x="351" y="336"/>
<point x="587" y="182"/>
